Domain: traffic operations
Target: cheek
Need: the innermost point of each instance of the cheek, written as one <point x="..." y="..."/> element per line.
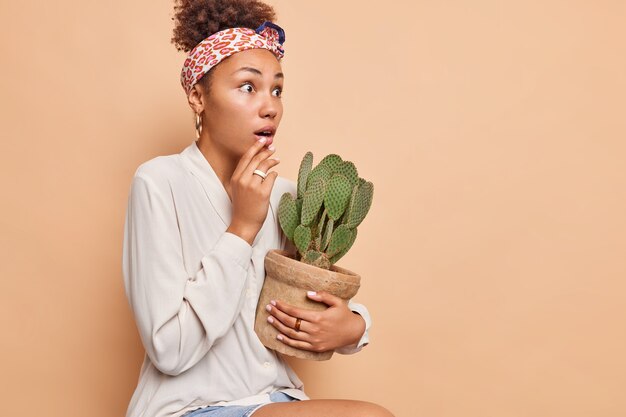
<point x="235" y="103"/>
<point x="230" y="111"/>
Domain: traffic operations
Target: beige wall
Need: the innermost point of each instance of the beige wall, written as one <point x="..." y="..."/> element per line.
<point x="493" y="258"/>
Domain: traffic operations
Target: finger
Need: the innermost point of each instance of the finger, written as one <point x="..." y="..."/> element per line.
<point x="285" y="319"/>
<point x="265" y="166"/>
<point x="292" y="333"/>
<point x="298" y="344"/>
<point x="247" y="157"/>
<point x="256" y="161"/>
<point x="281" y="309"/>
<point x="268" y="163"/>
<point x="326" y="298"/>
<point x="268" y="182"/>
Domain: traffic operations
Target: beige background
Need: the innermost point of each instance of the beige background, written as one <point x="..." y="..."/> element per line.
<point x="493" y="258"/>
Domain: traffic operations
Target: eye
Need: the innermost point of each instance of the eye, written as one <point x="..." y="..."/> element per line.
<point x="246" y="87"/>
<point x="277" y="92"/>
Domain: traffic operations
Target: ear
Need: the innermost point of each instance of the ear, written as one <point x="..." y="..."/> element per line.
<point x="196" y="99"/>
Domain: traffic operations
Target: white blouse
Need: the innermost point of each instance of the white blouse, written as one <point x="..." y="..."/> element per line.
<point x="193" y="290"/>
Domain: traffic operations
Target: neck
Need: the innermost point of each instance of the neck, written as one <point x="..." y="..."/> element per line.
<point x="223" y="164"/>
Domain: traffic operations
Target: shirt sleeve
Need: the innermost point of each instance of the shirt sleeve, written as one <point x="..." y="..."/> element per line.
<point x="179" y="317"/>
<point x="364" y="341"/>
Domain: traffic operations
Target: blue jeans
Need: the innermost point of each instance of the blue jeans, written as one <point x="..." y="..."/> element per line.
<point x="236" y="410"/>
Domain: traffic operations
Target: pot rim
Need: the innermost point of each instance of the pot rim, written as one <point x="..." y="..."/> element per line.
<point x="335" y="272"/>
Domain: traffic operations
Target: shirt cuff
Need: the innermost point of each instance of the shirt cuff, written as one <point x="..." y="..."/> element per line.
<point x="236" y="248"/>
<point x="360" y="308"/>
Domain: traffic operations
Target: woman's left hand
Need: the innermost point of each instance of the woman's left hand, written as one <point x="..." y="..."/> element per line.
<point x="320" y="331"/>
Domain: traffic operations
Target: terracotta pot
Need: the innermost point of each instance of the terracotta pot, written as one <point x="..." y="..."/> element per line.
<point x="288" y="280"/>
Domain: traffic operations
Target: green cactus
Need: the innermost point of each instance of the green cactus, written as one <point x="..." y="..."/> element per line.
<point x="302" y="238"/>
<point x="330" y="202"/>
<point x="303" y="173"/>
<point x="360" y="203"/>
<point x="313" y="199"/>
<point x="337" y="196"/>
<point x="288" y="216"/>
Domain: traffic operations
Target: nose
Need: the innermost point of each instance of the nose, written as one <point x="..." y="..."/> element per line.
<point x="269" y="108"/>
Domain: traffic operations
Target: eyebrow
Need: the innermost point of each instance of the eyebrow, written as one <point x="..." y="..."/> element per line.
<point x="257" y="72"/>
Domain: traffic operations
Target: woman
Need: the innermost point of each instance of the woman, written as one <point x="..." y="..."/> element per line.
<point x="198" y="226"/>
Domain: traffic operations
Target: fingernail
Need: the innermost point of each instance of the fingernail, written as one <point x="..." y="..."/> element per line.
<point x="270" y="319"/>
<point x="276" y="158"/>
<point x="279" y="337"/>
<point x="311" y="293"/>
<point x="268" y="307"/>
<point x="271" y="147"/>
<point x="262" y="140"/>
<point x="273" y="302"/>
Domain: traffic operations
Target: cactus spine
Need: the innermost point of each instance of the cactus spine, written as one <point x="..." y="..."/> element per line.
<point x="322" y="219"/>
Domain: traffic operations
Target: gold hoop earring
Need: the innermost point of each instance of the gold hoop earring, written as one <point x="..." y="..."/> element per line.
<point x="198" y="126"/>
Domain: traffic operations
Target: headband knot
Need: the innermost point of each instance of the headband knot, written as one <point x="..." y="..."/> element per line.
<point x="220" y="45"/>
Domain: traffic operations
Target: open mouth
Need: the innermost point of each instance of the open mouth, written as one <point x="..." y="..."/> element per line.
<point x="267" y="133"/>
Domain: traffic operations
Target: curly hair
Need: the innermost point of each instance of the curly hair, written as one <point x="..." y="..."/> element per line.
<point x="196" y="20"/>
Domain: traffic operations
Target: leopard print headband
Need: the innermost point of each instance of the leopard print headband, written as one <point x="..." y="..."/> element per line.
<point x="212" y="50"/>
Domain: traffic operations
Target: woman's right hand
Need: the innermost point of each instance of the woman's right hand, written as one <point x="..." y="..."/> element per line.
<point x="250" y="194"/>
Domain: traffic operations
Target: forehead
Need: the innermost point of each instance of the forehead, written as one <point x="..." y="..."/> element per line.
<point x="261" y="59"/>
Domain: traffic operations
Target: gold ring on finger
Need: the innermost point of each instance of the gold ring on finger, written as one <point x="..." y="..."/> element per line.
<point x="298" y="322"/>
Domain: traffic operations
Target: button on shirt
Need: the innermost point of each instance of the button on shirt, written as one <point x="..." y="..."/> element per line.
<point x="193" y="290"/>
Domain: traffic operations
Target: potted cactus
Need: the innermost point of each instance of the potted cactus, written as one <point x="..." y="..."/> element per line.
<point x="320" y="223"/>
